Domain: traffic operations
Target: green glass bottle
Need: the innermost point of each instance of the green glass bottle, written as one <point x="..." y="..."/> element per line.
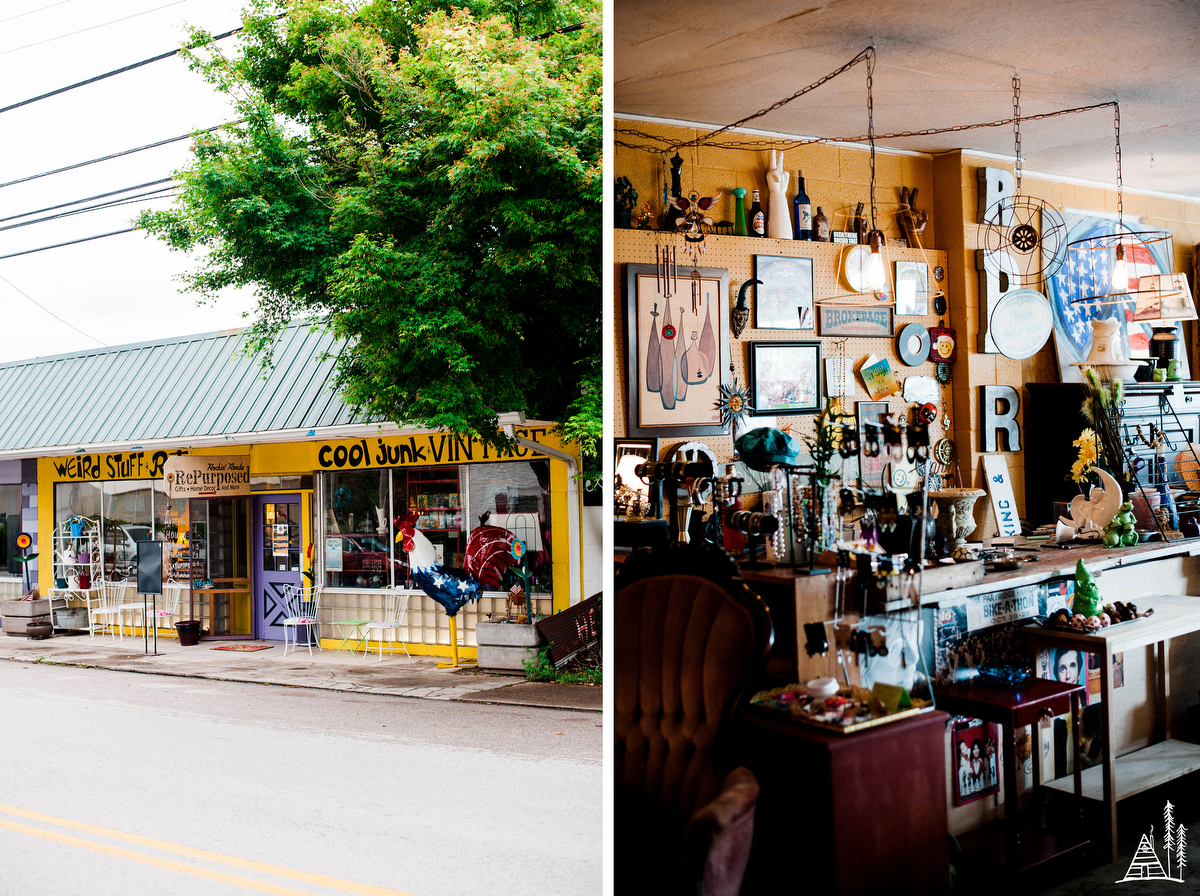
<point x="739" y="211"/>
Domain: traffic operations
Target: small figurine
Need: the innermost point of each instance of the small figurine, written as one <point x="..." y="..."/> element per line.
<point x="1087" y="595"/>
<point x="912" y="219"/>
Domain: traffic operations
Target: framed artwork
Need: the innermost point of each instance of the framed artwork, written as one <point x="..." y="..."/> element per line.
<point x="784" y="298"/>
<point x="974" y="747"/>
<point x="678" y="351"/>
<point x="638" y="450"/>
<point x="912" y="288"/>
<point x="870" y="469"/>
<point x="785" y="378"/>
<point x="856" y="320"/>
<point x="1072" y="322"/>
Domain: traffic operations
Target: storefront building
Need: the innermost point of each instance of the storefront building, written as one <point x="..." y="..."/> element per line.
<point x="312" y="493"/>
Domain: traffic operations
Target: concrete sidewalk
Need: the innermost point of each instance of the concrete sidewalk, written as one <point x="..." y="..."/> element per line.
<point x="396" y="676"/>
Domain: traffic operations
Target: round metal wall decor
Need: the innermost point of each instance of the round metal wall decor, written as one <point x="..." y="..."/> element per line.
<point x="1021" y="323"/>
<point x="939" y="273"/>
<point x="1034" y="238"/>
<point x="912" y="345"/>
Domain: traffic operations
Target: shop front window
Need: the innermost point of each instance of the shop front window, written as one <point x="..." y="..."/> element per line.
<point x="128" y="511"/>
<point x="359" y="512"/>
<point x="10" y="527"/>
<point x="356" y="511"/>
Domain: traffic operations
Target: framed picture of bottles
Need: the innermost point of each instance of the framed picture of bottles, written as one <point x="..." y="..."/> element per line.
<point x="677" y="336"/>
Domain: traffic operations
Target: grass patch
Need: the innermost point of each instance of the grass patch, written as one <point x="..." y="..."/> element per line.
<point x="575" y="672"/>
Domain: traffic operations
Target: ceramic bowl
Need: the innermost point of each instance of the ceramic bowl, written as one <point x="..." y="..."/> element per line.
<point x="820" y="688"/>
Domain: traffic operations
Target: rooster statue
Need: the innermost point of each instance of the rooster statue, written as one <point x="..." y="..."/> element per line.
<point x="488" y="556"/>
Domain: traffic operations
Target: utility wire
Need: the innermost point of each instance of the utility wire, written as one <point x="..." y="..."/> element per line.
<point x="118" y="71"/>
<point x="52" y="314"/>
<point x="85" y="239"/>
<point x="117" y="155"/>
<point x="163" y="193"/>
<point x="50" y="40"/>
<point x="50" y="208"/>
<point x="22" y="15"/>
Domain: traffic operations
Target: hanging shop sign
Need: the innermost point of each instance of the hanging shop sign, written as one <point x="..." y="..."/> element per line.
<point x="422" y="450"/>
<point x="207" y="476"/>
<point x="123" y="465"/>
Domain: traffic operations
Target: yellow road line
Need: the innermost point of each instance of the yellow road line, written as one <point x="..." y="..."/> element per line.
<point x="190" y="851"/>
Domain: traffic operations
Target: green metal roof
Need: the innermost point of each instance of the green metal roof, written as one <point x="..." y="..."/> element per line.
<point x="193" y="386"/>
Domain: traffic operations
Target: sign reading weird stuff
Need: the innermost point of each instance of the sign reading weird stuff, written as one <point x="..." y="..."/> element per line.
<point x="211" y="476"/>
<point x="122" y="465"/>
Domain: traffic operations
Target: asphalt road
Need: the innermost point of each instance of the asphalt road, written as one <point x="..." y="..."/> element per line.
<point x="119" y="783"/>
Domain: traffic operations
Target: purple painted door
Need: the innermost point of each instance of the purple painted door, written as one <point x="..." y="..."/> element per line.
<point x="276" y="559"/>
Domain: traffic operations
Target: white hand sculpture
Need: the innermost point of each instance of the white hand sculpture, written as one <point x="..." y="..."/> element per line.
<point x="779" y="221"/>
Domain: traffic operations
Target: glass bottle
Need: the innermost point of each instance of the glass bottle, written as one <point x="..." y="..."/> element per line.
<point x="802" y="208"/>
<point x="821" y="226"/>
<point x="758" y="220"/>
<point x="739" y="211"/>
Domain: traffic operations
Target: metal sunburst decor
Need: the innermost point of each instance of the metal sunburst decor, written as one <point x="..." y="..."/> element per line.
<point x="734" y="403"/>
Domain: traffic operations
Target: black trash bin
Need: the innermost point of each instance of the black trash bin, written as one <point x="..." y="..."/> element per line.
<point x="189" y="632"/>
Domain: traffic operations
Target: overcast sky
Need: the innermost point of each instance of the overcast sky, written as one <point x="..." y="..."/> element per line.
<point x="123" y="288"/>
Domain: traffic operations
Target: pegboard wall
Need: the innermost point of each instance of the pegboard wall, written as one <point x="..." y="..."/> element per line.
<point x="736" y="254"/>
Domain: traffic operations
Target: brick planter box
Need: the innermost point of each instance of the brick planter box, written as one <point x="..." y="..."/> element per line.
<point x="504" y="645"/>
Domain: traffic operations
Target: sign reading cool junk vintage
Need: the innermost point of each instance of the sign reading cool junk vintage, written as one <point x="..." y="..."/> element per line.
<point x="425" y="449"/>
<point x="207" y="476"/>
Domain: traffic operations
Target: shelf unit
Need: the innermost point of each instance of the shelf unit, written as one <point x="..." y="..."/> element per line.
<point x="435" y="485"/>
<point x="1119" y="777"/>
<point x="72" y="537"/>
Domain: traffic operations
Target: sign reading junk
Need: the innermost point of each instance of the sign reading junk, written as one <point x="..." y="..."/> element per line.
<point x="214" y="476"/>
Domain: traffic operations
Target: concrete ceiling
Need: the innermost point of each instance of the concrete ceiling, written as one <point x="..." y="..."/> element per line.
<point x="939" y="63"/>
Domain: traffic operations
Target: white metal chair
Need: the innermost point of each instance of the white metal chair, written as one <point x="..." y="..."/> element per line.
<point x="107" y="608"/>
<point x="303" y="608"/>
<point x="166" y="607"/>
<point x="395" y="607"/>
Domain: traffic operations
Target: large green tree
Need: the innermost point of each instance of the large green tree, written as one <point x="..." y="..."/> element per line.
<point x="424" y="179"/>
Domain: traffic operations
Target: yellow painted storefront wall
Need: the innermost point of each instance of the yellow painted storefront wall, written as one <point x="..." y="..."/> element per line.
<point x="303" y="458"/>
<point x="837" y="178"/>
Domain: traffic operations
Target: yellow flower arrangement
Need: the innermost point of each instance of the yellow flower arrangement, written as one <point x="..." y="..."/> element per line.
<point x="1089" y="455"/>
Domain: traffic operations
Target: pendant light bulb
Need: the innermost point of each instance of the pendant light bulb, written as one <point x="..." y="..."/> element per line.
<point x="1120" y="271"/>
<point x="875" y="273"/>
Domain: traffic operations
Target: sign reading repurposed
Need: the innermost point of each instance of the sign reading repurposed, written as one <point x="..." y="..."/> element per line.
<point x="207" y="476"/>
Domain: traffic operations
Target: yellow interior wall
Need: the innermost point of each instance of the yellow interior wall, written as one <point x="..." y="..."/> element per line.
<point x="836" y="178"/>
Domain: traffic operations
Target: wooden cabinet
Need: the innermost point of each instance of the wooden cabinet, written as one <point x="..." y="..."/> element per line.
<point x="848" y="814"/>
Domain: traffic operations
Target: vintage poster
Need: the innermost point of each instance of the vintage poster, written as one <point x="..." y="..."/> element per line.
<point x="975" y="748"/>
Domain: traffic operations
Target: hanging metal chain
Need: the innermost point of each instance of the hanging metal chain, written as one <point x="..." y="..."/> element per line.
<point x="781" y="103"/>
<point x="871" y="125"/>
<point x="1016" y="83"/>
<point x="1117" y="127"/>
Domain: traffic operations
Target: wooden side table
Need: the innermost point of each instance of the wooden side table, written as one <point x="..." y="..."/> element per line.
<point x="844" y="814"/>
<point x="1023" y="844"/>
<point x="1123" y="776"/>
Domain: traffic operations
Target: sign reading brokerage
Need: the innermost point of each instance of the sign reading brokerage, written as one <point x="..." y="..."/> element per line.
<point x="211" y="476"/>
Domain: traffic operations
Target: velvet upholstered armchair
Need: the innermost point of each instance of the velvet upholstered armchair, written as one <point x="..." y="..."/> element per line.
<point x="689" y="637"/>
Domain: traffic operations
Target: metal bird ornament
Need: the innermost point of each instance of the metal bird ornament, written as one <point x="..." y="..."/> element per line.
<point x="694" y="209"/>
<point x="739" y="314"/>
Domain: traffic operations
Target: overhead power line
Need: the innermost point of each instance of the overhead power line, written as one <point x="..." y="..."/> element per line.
<point x="22" y="15"/>
<point x="86" y="239"/>
<point x="118" y="71"/>
<point x="52" y="314"/>
<point x="161" y="193"/>
<point x="50" y="40"/>
<point x="117" y="155"/>
<point x="50" y="208"/>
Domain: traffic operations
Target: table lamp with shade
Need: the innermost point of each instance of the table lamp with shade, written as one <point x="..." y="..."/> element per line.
<point x="1161" y="301"/>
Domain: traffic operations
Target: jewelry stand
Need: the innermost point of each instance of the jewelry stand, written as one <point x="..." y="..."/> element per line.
<point x="813" y="569"/>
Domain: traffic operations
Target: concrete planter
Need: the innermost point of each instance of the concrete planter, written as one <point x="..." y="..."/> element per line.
<point x="504" y="645"/>
<point x="25" y="607"/>
<point x="18" y="626"/>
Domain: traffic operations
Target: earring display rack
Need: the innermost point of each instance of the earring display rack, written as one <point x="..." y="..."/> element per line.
<point x="736" y="254"/>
